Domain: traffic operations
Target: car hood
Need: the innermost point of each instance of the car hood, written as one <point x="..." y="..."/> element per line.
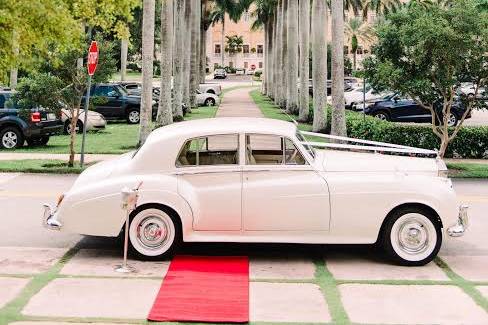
<point x="347" y="161"/>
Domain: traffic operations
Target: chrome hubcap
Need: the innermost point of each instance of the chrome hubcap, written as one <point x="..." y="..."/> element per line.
<point x="152" y="232"/>
<point x="413" y="237"/>
<point x="381" y="117"/>
<point x="134" y="116"/>
<point x="452" y="120"/>
<point x="9" y="139"/>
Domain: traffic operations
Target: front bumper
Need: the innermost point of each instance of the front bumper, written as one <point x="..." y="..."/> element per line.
<point x="48" y="220"/>
<point x="459" y="228"/>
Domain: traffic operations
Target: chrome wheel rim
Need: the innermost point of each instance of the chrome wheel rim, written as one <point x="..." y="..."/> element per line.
<point x="381" y="116"/>
<point x="10" y="139"/>
<point x="152" y="232"/>
<point x="134" y="116"/>
<point x="77" y="128"/>
<point x="208" y="102"/>
<point x="452" y="120"/>
<point x="413" y="237"/>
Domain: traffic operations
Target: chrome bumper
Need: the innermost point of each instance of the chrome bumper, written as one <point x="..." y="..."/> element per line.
<point x="458" y="229"/>
<point x="48" y="220"/>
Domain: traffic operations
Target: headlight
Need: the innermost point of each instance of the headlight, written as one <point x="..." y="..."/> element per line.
<point x="444" y="173"/>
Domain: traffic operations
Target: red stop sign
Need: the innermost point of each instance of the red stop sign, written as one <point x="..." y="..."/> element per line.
<point x="92" y="58"/>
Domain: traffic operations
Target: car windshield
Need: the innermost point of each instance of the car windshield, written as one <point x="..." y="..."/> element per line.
<point x="309" y="148"/>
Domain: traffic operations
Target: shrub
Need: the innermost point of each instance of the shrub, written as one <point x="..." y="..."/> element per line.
<point x="258" y="74"/>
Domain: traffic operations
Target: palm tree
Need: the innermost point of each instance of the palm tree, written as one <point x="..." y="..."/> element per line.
<point x="178" y="60"/>
<point x="204" y="25"/>
<point x="357" y="31"/>
<point x="304" y="28"/>
<point x="319" y="66"/>
<point x="165" y="114"/>
<point x="278" y="59"/>
<point x="338" y="123"/>
<point x="284" y="52"/>
<point x="292" y="59"/>
<point x="194" y="50"/>
<point x="187" y="50"/>
<point x="380" y="7"/>
<point x="124" y="47"/>
<point x="217" y="15"/>
<point x="147" y="69"/>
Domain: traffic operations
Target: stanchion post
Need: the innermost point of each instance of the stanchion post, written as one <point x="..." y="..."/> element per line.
<point x="129" y="203"/>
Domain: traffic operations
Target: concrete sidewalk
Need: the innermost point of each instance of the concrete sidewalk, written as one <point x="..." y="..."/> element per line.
<point x="238" y="103"/>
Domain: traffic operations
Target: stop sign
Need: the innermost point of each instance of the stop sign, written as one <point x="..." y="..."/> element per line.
<point x="92" y="58"/>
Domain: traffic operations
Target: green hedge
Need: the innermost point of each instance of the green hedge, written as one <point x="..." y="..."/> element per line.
<point x="470" y="142"/>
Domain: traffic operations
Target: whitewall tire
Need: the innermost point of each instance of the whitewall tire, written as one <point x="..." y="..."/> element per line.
<point x="412" y="236"/>
<point x="154" y="234"/>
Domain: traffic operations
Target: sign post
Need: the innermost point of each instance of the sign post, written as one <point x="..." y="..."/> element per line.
<point x="92" y="66"/>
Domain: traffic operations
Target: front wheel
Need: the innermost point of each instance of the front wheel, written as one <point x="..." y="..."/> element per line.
<point x="154" y="234"/>
<point x="412" y="237"/>
<point x="11" y="138"/>
<point x="209" y="102"/>
<point x="382" y="116"/>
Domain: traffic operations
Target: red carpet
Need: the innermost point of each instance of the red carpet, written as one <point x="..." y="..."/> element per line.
<point x="204" y="289"/>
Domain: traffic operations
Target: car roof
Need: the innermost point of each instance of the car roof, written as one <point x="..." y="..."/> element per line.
<point x="224" y="125"/>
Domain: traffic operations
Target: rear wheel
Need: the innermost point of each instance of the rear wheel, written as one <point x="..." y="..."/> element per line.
<point x="154" y="234"/>
<point x="209" y="102"/>
<point x="11" y="138"/>
<point x="412" y="236"/>
<point x="133" y="116"/>
<point x="452" y="120"/>
<point x="67" y="127"/>
<point x="382" y="116"/>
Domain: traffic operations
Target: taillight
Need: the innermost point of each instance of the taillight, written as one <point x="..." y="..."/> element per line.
<point x="35" y="117"/>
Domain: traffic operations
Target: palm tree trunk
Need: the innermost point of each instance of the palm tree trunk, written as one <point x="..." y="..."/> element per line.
<point x="304" y="19"/>
<point x="278" y="54"/>
<point x="222" y="46"/>
<point x="203" y="43"/>
<point x="124" y="47"/>
<point x="338" y="123"/>
<point x="178" y="61"/>
<point x="165" y="114"/>
<point x="269" y="60"/>
<point x="147" y="69"/>
<point x="264" y="84"/>
<point x="292" y="62"/>
<point x="194" y="51"/>
<point x="284" y="53"/>
<point x="15" y="50"/>
<point x="187" y="51"/>
<point x="319" y="65"/>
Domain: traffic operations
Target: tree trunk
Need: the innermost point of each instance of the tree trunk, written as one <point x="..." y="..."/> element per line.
<point x="178" y="60"/>
<point x="124" y="47"/>
<point x="284" y="53"/>
<point x="278" y="54"/>
<point x="264" y="84"/>
<point x="194" y="50"/>
<point x="15" y="50"/>
<point x="147" y="69"/>
<point x="292" y="62"/>
<point x="304" y="20"/>
<point x="269" y="60"/>
<point x="187" y="53"/>
<point x="203" y="43"/>
<point x="222" y="46"/>
<point x="319" y="65"/>
<point x="165" y="114"/>
<point x="338" y="123"/>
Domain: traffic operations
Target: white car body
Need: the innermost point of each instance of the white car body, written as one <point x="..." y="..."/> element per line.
<point x="207" y="99"/>
<point x="95" y="121"/>
<point x="338" y="196"/>
<point x="211" y="88"/>
<point x="468" y="89"/>
<point x="354" y="98"/>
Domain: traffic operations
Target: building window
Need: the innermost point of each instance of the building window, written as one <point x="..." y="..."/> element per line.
<point x="217" y="49"/>
<point x="360" y="50"/>
<point x="245" y="49"/>
<point x="246" y="65"/>
<point x="260" y="49"/>
<point x="260" y="65"/>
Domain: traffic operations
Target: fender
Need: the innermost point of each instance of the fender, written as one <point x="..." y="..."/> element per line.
<point x="14" y="120"/>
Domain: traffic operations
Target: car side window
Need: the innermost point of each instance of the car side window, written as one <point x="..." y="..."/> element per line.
<point x="262" y="149"/>
<point x="2" y="101"/>
<point x="210" y="150"/>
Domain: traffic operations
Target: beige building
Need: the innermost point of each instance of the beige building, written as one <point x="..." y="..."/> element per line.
<point x="252" y="54"/>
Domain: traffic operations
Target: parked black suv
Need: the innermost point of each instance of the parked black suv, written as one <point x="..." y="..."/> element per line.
<point x="16" y="126"/>
<point x="397" y="109"/>
<point x="114" y="103"/>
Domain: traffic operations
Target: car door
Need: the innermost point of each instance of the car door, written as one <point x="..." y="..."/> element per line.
<point x="109" y="101"/>
<point x="210" y="180"/>
<point x="281" y="191"/>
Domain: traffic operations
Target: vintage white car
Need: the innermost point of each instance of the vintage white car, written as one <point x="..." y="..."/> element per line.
<point x="259" y="180"/>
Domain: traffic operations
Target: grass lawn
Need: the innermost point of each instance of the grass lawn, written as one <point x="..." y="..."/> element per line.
<point x="467" y="170"/>
<point x="40" y="166"/>
<point x="117" y="138"/>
